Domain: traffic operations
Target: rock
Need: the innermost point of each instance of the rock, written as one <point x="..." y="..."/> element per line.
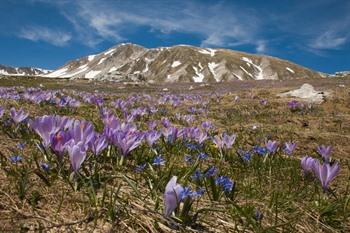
<point x="307" y="93"/>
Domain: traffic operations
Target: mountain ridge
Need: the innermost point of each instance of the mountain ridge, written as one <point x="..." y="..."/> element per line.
<point x="22" y="71"/>
<point x="179" y="63"/>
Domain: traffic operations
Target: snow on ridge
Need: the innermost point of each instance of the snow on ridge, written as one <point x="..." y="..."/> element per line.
<point x="199" y="78"/>
<point x="259" y="75"/>
<point x="246" y="72"/>
<point x="212" y="66"/>
<point x="112" y="69"/>
<point x="175" y="64"/>
<point x="239" y="77"/>
<point x="208" y="51"/>
<point x="4" y="72"/>
<point x="200" y="66"/>
<point x="91" y="57"/>
<point x="171" y="78"/>
<point x="57" y="73"/>
<point x="91" y="74"/>
<point x="109" y="51"/>
<point x="247" y="60"/>
<point x="290" y="70"/>
<point x="101" y="61"/>
<point x="204" y="51"/>
<point x="145" y="69"/>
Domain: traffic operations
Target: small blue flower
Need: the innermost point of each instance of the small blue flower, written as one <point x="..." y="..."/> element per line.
<point x="197" y="175"/>
<point x="202" y="156"/>
<point x="44" y="166"/>
<point x="191" y="146"/>
<point x="21" y="145"/>
<point x="260" y="150"/>
<point x="158" y="161"/>
<point x="186" y="192"/>
<point x="225" y="183"/>
<point x="16" y="158"/>
<point x="258" y="215"/>
<point x="140" y="168"/>
<point x="247" y="156"/>
<point x="188" y="159"/>
<point x="198" y="193"/>
<point x="211" y="172"/>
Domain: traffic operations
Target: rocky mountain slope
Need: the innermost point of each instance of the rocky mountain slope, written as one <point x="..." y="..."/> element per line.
<point x="130" y="62"/>
<point x="22" y="71"/>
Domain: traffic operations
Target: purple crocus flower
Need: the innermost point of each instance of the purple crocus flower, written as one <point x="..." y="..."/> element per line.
<point x="289" y="147"/>
<point x="2" y="111"/>
<point x="46" y="127"/>
<point x="307" y="164"/>
<point x="207" y="125"/>
<point x="170" y="133"/>
<point x="98" y="144"/>
<point x="127" y="141"/>
<point x="263" y="101"/>
<point x="325" y="152"/>
<point x="166" y="123"/>
<point x="271" y="146"/>
<point x="77" y="154"/>
<point x="58" y="142"/>
<point x="228" y="140"/>
<point x="218" y="142"/>
<point x="201" y="136"/>
<point x="325" y="172"/>
<point x="82" y="131"/>
<point x="152" y="136"/>
<point x="152" y="125"/>
<point x="19" y="116"/>
<point x="172" y="196"/>
<point x="293" y="104"/>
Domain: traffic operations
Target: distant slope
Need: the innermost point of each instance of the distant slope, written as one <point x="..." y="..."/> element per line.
<point x="22" y="71"/>
<point x="129" y="62"/>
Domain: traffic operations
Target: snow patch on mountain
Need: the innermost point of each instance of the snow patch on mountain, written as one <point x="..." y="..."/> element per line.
<point x="212" y="66"/>
<point x="175" y="64"/>
<point x="112" y="69"/>
<point x="290" y="70"/>
<point x="109" y="52"/>
<point x="245" y="71"/>
<point x="91" y="57"/>
<point x="199" y="78"/>
<point x="92" y="74"/>
<point x="57" y="73"/>
<point x="102" y="60"/>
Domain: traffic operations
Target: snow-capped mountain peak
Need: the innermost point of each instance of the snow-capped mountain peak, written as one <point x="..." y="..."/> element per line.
<point x="22" y="71"/>
<point x="131" y="62"/>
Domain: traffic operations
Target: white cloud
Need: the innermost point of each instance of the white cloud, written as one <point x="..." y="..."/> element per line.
<point x="261" y="46"/>
<point x="216" y="25"/>
<point x="328" y="40"/>
<point x="38" y="33"/>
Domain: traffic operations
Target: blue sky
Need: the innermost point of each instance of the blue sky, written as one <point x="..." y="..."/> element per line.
<point x="48" y="33"/>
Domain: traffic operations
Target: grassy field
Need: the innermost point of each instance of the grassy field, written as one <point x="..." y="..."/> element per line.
<point x="253" y="185"/>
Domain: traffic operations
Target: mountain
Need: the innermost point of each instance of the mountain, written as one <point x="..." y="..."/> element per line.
<point x="22" y="71"/>
<point x="130" y="62"/>
<point x="340" y="74"/>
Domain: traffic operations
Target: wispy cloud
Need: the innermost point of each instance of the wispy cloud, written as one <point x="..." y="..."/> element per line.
<point x="328" y="40"/>
<point x="39" y="33"/>
<point x="261" y="46"/>
<point x="217" y="25"/>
